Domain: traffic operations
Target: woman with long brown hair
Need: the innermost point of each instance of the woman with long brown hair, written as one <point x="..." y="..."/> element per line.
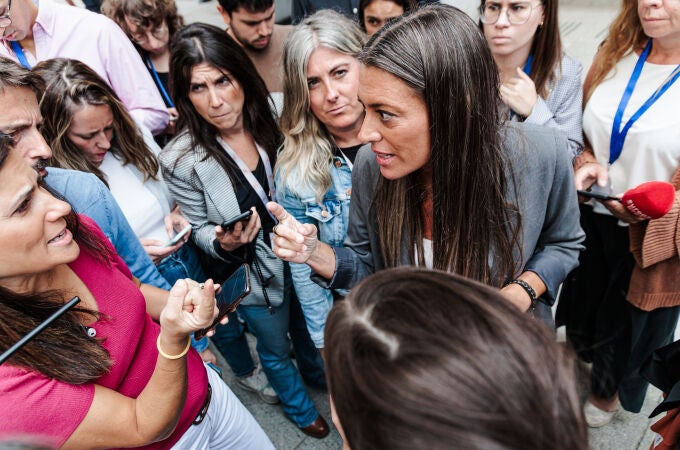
<point x="473" y="198"/>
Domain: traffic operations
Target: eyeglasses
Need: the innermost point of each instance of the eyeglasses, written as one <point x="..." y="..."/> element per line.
<point x="142" y="38"/>
<point x="517" y="13"/>
<point x="5" y="19"/>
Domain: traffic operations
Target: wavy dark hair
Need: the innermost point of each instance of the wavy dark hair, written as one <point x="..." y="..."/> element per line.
<point x="440" y="53"/>
<point x="200" y="43"/>
<point x="406" y="5"/>
<point x="62" y="351"/>
<point x="420" y="359"/>
<point x="71" y="84"/>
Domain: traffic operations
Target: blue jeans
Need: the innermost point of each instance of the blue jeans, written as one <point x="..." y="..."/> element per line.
<point x="184" y="263"/>
<point x="273" y="348"/>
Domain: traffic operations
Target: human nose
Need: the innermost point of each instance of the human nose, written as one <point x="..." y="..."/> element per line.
<point x="331" y="92"/>
<point x="368" y="132"/>
<point x="503" y="18"/>
<point x="263" y="29"/>
<point x="55" y="209"/>
<point x="36" y="148"/>
<point x="103" y="141"/>
<point x="214" y="98"/>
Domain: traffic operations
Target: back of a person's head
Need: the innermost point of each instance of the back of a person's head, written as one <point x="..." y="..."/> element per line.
<point x="251" y="6"/>
<point x="431" y="360"/>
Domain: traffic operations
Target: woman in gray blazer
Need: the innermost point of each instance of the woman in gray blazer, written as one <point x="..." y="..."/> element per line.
<point x="218" y="166"/>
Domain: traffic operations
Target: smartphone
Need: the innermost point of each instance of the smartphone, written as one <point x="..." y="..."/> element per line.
<point x="598" y="192"/>
<point x="178" y="236"/>
<point x="234" y="289"/>
<point x="229" y="224"/>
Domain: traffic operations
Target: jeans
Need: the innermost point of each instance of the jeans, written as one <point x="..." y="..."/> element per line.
<point x="184" y="263"/>
<point x="273" y="348"/>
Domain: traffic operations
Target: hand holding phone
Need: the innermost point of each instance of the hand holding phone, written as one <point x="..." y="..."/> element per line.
<point x="243" y="217"/>
<point x="178" y="236"/>
<point x="599" y="193"/>
<point x="233" y="291"/>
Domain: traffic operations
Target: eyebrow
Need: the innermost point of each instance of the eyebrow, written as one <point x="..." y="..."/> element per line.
<point x="255" y="22"/>
<point x="23" y="195"/>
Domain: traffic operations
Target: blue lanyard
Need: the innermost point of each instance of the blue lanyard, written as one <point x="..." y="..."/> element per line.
<point x="619" y="135"/>
<point x="21" y="56"/>
<point x="157" y="79"/>
<point x="528" y="64"/>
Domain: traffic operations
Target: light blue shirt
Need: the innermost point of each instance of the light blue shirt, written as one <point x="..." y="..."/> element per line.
<point x="88" y="195"/>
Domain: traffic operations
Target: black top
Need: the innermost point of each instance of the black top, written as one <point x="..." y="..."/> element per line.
<point x="350" y="152"/>
<point x="247" y="197"/>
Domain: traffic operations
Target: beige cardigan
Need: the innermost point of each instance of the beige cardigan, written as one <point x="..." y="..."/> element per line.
<point x="655" y="244"/>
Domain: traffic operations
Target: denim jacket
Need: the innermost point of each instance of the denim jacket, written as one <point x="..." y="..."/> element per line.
<point x="331" y="218"/>
<point x="89" y="196"/>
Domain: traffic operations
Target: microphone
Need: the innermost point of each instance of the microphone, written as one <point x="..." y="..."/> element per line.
<point x="652" y="199"/>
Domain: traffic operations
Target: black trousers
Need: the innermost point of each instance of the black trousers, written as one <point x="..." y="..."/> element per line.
<point x="601" y="325"/>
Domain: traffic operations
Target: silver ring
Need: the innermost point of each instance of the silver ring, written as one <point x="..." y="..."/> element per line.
<point x="201" y="285"/>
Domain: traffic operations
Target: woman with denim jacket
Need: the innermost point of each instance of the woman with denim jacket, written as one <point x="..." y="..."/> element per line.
<point x="320" y="122"/>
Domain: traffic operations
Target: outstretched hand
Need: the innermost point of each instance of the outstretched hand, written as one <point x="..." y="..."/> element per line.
<point x="293" y="241"/>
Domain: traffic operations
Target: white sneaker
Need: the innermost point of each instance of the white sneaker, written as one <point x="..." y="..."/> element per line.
<point x="257" y="383"/>
<point x="595" y="417"/>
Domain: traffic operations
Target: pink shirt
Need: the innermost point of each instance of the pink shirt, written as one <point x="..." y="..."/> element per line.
<point x="63" y="31"/>
<point x="35" y="405"/>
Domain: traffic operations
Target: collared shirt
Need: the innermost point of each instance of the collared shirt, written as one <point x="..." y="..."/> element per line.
<point x="63" y="31"/>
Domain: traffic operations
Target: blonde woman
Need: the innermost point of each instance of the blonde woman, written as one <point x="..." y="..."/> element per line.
<point x="320" y="122"/>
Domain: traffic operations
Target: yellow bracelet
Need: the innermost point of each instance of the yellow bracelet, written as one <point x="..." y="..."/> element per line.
<point x="166" y="356"/>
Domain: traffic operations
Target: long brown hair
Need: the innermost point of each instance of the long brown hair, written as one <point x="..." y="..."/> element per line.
<point x="420" y="359"/>
<point x="625" y="36"/>
<point x="440" y="53"/>
<point x="202" y="43"/>
<point x="70" y="84"/>
<point x="62" y="351"/>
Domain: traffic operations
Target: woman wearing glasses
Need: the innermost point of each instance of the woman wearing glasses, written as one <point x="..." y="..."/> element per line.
<point x="540" y="84"/>
<point x="150" y="25"/>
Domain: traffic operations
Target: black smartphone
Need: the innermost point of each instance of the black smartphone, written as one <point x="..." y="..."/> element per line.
<point x="233" y="290"/>
<point x="229" y="224"/>
<point x="598" y="192"/>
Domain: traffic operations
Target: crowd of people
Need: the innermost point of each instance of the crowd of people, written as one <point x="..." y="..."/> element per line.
<point x="411" y="177"/>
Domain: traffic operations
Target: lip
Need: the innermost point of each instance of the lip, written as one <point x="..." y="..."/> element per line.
<point x="383" y="158"/>
<point x="336" y="110"/>
<point x="500" y="39"/>
<point x="262" y="42"/>
<point x="64" y="237"/>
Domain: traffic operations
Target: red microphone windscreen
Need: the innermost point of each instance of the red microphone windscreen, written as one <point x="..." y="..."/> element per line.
<point x="653" y="199"/>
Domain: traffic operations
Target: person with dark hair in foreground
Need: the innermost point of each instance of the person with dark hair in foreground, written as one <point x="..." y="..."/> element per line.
<point x="431" y="360"/>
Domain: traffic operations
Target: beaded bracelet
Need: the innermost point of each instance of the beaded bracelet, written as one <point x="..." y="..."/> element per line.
<point x="166" y="356"/>
<point x="529" y="290"/>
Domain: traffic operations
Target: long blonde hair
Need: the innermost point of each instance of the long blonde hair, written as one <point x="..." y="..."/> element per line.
<point x="307" y="149"/>
<point x="625" y="35"/>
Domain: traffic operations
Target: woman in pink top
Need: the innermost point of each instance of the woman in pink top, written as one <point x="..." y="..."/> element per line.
<point x="104" y="375"/>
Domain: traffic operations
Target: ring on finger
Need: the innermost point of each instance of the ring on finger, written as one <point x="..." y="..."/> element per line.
<point x="201" y="285"/>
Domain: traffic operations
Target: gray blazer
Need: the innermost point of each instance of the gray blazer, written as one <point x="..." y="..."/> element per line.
<point x="545" y="195"/>
<point x="206" y="196"/>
